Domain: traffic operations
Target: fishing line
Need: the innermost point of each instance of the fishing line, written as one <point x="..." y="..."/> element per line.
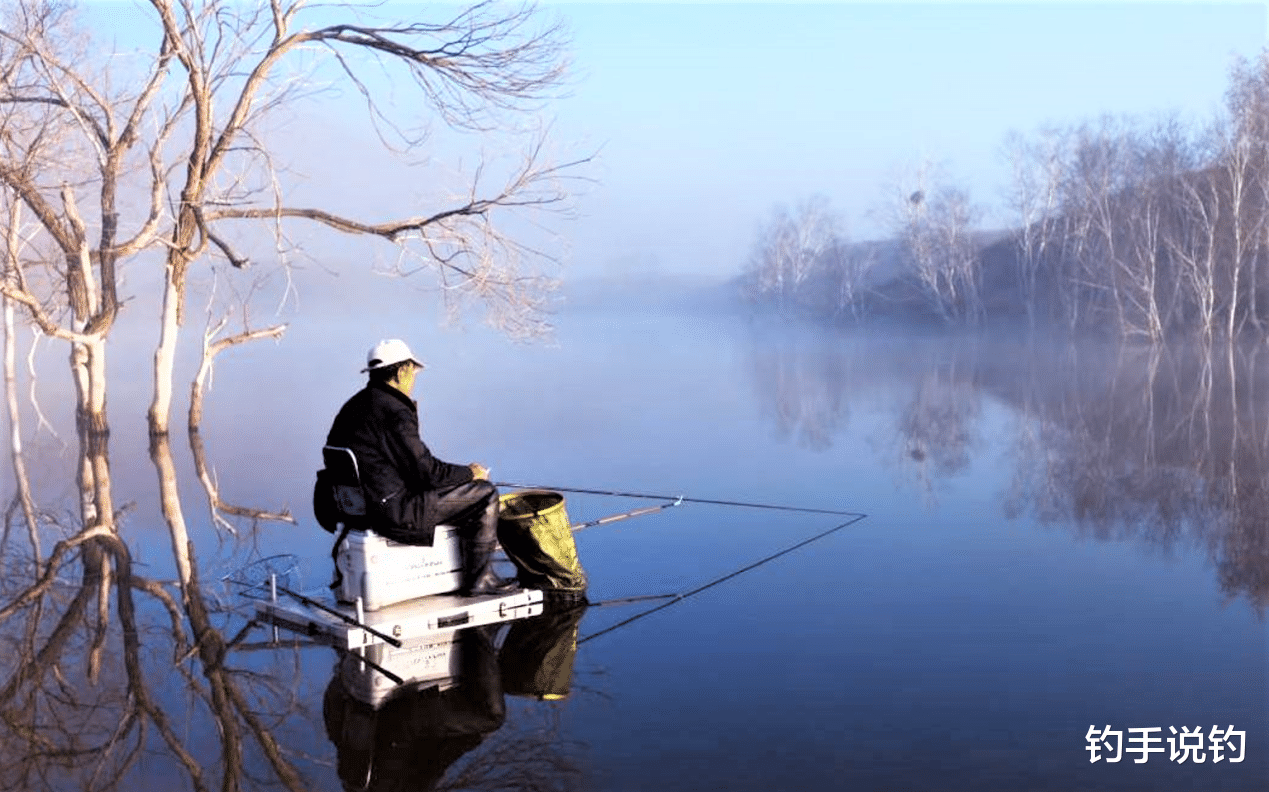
<point x="776" y="507"/>
<point x="628" y="600"/>
<point x="680" y="597"/>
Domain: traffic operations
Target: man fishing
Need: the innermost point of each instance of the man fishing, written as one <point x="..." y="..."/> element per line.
<point x="408" y="490"/>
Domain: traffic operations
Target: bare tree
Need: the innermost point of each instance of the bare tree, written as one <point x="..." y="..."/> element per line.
<point x="1194" y="247"/>
<point x="1037" y="167"/>
<point x="953" y="219"/>
<point x="1158" y="158"/>
<point x="50" y="269"/>
<point x="936" y="224"/>
<point x="186" y="131"/>
<point x="23" y="496"/>
<point x="853" y="266"/>
<point x="213" y="345"/>
<point x="1244" y="156"/>
<point x="82" y="137"/>
<point x="1096" y="181"/>
<point x="789" y="249"/>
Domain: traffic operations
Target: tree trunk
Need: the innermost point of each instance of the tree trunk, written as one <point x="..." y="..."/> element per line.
<point x="170" y="501"/>
<point x="20" y="476"/>
<point x="88" y="367"/>
<point x="165" y="353"/>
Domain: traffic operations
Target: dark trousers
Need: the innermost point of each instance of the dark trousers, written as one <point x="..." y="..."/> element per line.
<point x="473" y="507"/>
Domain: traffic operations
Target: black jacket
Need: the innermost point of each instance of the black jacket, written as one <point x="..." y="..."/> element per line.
<point x="380" y="424"/>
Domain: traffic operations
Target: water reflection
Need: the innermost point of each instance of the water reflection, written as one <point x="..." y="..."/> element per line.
<point x="1164" y="446"/>
<point x="452" y="699"/>
<point x="109" y="671"/>
<point x="805" y="386"/>
<point x="117" y="674"/>
<point x="112" y="678"/>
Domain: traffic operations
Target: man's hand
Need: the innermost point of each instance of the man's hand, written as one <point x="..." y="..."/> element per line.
<point x="479" y="471"/>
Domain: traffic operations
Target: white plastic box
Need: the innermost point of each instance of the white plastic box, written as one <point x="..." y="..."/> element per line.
<point x="383" y="572"/>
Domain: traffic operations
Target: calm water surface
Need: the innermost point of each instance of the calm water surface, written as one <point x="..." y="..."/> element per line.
<point x="1055" y="538"/>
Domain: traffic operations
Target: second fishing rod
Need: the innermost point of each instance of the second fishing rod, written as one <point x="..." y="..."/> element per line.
<point x="680" y="499"/>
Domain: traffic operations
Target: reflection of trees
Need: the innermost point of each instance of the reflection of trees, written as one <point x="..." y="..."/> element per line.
<point x="803" y="384"/>
<point x="1166" y="446"/>
<point x="86" y="693"/>
<point x="935" y="427"/>
<point x="112" y="678"/>
<point x="804" y="387"/>
<point x="98" y="658"/>
<point x="213" y="346"/>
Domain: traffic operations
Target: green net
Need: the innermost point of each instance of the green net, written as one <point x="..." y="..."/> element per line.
<point x="534" y="531"/>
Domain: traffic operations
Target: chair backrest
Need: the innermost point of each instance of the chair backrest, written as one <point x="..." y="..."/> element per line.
<point x="345" y="476"/>
<point x="341" y="465"/>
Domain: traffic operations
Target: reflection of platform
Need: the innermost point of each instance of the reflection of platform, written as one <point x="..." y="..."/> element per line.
<point x="434" y="660"/>
<point x="405" y="621"/>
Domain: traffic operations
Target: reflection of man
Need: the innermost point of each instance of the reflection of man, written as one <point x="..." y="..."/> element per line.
<point x="412" y="740"/>
<point x="409" y="491"/>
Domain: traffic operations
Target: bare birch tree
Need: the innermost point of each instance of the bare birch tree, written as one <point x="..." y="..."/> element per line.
<point x="23" y="496"/>
<point x="953" y="219"/>
<point x="1246" y="160"/>
<point x="66" y="291"/>
<point x="936" y="223"/>
<point x="1096" y="181"/>
<point x="180" y="127"/>
<point x="853" y="265"/>
<point x="1157" y="159"/>
<point x="187" y="131"/>
<point x="1193" y="248"/>
<point x="1037" y="168"/>
<point x="789" y="248"/>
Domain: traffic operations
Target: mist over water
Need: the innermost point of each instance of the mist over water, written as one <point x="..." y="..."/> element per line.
<point x="1057" y="536"/>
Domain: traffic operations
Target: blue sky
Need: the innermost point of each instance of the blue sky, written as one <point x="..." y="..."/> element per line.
<point x="706" y="115"/>
<point x="709" y="113"/>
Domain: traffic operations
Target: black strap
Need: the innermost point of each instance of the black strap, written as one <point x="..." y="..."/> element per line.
<point x="345" y="527"/>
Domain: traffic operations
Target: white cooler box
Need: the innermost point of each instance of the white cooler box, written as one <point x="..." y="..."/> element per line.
<point x="383" y="572"/>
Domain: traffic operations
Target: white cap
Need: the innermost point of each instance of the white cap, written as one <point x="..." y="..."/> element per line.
<point x="389" y="351"/>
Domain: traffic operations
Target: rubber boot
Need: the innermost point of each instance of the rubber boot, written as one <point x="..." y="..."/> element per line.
<point x="479" y="578"/>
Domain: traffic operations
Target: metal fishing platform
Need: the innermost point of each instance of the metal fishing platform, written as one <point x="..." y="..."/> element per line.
<point x="352" y="627"/>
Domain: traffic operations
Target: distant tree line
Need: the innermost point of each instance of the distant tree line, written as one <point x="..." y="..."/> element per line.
<point x="1139" y="228"/>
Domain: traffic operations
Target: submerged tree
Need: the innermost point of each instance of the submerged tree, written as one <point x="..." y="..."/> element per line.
<point x="164" y="158"/>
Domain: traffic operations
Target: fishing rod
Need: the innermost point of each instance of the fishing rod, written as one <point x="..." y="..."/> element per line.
<point x="680" y="498"/>
<point x="626" y="515"/>
<point x="312" y="603"/>
<point x="396" y="680"/>
<point x="236" y="644"/>
<point x="677" y="598"/>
